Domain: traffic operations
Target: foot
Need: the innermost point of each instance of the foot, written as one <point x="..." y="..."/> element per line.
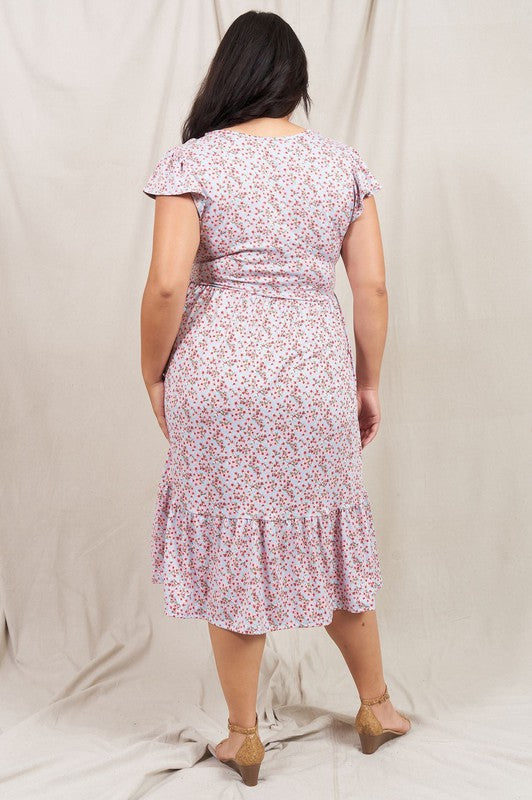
<point x="390" y="718"/>
<point x="228" y="748"/>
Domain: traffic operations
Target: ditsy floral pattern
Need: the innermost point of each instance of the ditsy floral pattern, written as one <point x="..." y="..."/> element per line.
<point x="262" y="521"/>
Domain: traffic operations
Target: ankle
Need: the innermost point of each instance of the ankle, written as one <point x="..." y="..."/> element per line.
<point x="374" y="694"/>
<point x="242" y="719"/>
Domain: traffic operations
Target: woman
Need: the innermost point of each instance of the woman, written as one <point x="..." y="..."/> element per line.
<point x="263" y="521"/>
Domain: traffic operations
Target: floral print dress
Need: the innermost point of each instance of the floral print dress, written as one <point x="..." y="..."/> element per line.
<point x="262" y="521"/>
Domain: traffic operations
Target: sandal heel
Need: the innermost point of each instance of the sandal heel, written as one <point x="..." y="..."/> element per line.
<point x="250" y="774"/>
<point x="368" y="727"/>
<point x="370" y="742"/>
<point x="250" y="755"/>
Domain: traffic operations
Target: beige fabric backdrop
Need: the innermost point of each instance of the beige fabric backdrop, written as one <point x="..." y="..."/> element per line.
<point x="101" y="696"/>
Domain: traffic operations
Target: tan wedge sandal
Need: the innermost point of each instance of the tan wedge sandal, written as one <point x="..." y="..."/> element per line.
<point x="368" y="727"/>
<point x="249" y="756"/>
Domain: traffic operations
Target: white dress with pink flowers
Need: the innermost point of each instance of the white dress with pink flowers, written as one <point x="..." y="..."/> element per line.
<point x="262" y="520"/>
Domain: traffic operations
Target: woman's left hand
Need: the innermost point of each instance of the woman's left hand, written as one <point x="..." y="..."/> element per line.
<point x="156" y="393"/>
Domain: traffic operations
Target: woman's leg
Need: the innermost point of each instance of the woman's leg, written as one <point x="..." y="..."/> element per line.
<point x="238" y="657"/>
<point x="357" y="637"/>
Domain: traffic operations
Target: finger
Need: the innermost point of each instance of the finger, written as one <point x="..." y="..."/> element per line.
<point x="162" y="424"/>
<point x="372" y="432"/>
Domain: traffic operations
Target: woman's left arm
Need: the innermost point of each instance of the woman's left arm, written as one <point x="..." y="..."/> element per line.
<point x="176" y="237"/>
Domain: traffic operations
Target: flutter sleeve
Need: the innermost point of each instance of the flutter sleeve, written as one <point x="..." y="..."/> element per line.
<point x="364" y="183"/>
<point x="174" y="174"/>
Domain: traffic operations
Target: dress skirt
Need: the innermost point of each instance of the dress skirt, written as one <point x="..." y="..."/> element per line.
<point x="262" y="519"/>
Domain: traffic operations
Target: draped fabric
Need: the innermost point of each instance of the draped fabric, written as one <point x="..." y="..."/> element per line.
<point x="101" y="695"/>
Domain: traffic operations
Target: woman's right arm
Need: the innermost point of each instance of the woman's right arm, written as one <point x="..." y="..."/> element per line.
<point x="363" y="257"/>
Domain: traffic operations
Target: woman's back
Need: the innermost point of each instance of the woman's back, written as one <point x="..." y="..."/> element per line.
<point x="274" y="210"/>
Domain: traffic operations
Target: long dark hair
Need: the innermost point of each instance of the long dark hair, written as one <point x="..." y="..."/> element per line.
<point x="259" y="70"/>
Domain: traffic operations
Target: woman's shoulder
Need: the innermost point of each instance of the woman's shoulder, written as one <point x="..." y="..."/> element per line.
<point x="338" y="146"/>
<point x="181" y="158"/>
<point x="182" y="150"/>
<point x="198" y="152"/>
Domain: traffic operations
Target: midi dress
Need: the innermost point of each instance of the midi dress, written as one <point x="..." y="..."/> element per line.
<point x="262" y="521"/>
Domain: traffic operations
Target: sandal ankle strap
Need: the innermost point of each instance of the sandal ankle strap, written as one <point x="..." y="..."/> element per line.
<point x="384" y="696"/>
<point x="240" y="729"/>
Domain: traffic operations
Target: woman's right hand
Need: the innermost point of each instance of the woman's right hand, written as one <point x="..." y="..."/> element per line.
<point x="369" y="414"/>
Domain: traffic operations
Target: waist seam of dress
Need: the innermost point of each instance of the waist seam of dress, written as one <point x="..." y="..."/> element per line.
<point x="362" y="501"/>
<point x="317" y="297"/>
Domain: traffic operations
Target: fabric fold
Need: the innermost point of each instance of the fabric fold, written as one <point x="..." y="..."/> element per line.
<point x="259" y="575"/>
<point x="174" y="174"/>
<point x="365" y="183"/>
